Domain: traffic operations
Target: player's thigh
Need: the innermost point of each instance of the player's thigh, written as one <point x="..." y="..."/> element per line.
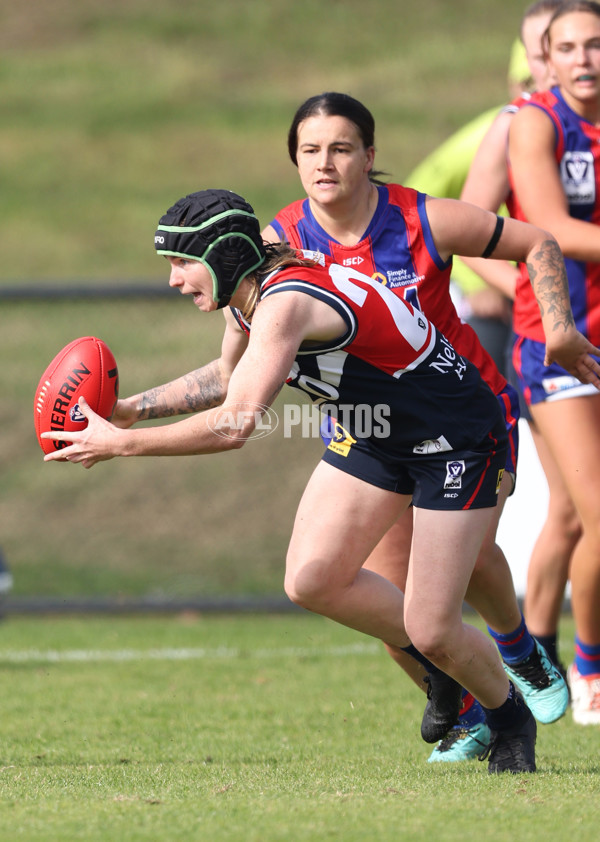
<point x="445" y="546"/>
<point x="339" y="521"/>
<point x="560" y="502"/>
<point x="570" y="428"/>
<point x="391" y="555"/>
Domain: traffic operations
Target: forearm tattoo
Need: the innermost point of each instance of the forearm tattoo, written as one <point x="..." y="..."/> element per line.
<point x="549" y="281"/>
<point x="200" y="389"/>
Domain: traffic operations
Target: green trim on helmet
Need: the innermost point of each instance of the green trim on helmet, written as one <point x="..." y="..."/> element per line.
<point x="185" y="256"/>
<point x="220" y="239"/>
<point x="198" y="260"/>
<point x="183" y="229"/>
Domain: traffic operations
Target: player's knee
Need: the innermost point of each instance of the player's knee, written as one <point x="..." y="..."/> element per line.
<point x="432" y="640"/>
<point x="306" y="587"/>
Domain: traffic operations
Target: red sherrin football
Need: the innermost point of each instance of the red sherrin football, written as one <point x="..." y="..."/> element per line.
<point x="85" y="367"/>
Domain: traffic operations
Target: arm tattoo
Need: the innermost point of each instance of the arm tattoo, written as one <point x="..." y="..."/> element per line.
<point x="200" y="389"/>
<point x="550" y="285"/>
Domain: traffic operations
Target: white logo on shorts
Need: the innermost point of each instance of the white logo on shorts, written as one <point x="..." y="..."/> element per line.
<point x="559" y="384"/>
<point x="433" y="446"/>
<point x="454" y="472"/>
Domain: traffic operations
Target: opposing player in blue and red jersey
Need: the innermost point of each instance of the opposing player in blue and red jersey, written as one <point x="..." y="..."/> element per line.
<point x="395" y="235"/>
<point x="488" y="186"/>
<point x="554" y="147"/>
<point x="292" y="319"/>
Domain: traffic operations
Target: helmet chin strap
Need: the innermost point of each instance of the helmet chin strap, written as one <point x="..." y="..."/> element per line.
<point x="223" y="301"/>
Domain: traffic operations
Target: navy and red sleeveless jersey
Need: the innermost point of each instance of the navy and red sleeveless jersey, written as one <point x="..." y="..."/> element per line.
<point x="577" y="152"/>
<point x="397" y="250"/>
<point x="390" y="357"/>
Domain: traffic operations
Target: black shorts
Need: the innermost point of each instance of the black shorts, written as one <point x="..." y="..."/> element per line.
<point x="450" y="480"/>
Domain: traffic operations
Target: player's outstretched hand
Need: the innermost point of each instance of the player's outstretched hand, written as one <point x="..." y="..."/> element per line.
<point x="574" y="353"/>
<point x="96" y="443"/>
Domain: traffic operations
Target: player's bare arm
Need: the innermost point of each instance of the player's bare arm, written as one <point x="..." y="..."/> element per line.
<point x="196" y="391"/>
<point x="487" y="186"/>
<point x="465" y="229"/>
<point x="269" y="234"/>
<point x="279" y="326"/>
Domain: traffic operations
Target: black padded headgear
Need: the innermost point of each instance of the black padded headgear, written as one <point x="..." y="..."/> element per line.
<point x="219" y="229"/>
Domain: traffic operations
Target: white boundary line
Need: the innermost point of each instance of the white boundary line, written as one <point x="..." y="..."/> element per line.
<point x="54" y="656"/>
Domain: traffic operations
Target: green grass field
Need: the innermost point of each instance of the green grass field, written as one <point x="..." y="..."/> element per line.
<point x="249" y="729"/>
<point x="228" y="729"/>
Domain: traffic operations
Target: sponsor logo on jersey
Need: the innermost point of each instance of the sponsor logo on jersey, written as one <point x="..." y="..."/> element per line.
<point x="454" y="472"/>
<point x="353" y="261"/>
<point x="377" y="276"/>
<point x="428" y="446"/>
<point x="559" y="384"/>
<point x="578" y="177"/>
<point x="402" y="278"/>
<point x="448" y="360"/>
<point x="341" y="441"/>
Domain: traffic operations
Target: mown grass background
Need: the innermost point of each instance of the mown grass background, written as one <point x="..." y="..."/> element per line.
<point x="113" y="109"/>
<point x="246" y="729"/>
<point x="269" y="728"/>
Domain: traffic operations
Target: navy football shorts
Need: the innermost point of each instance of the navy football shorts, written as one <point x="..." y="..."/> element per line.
<point x="541" y="382"/>
<point x="450" y="480"/>
<point x="508" y="399"/>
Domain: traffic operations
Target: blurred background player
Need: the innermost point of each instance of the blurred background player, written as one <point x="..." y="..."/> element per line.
<point x="554" y="143"/>
<point x="487" y="185"/>
<point x="443" y="173"/>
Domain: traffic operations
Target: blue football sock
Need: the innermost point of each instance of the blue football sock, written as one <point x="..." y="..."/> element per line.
<point x="516" y="646"/>
<point x="512" y="712"/>
<point x="587" y="658"/>
<point x="471" y="713"/>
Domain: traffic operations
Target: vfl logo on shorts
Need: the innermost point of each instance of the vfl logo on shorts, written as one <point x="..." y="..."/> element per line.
<point x="341" y="441"/>
<point x="454" y="472"/>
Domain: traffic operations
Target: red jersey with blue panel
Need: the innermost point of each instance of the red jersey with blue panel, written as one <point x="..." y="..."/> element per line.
<point x="398" y="250"/>
<point x="577" y="150"/>
<point x="437" y="430"/>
